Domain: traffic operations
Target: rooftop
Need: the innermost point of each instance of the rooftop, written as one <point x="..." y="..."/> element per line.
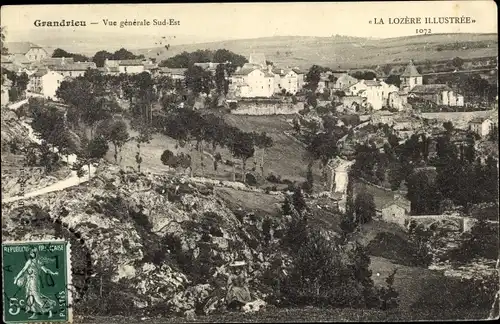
<point x="244" y="71"/>
<point x="430" y="88"/>
<point x="410" y="71"/>
<point x="78" y="66"/>
<point x="131" y="62"/>
<point x="20" y="47"/>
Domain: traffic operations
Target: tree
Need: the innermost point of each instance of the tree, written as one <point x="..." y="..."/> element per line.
<point x="220" y="80"/>
<point x="62" y="53"/>
<point x="243" y="148"/>
<point x="114" y="131"/>
<point x="364" y="207"/>
<point x="308" y="185"/>
<point x="168" y="158"/>
<point x="457" y="62"/>
<point x="123" y="54"/>
<point x="198" y="80"/>
<point x="313" y="77"/>
<point x="263" y="142"/>
<point x="95" y="150"/>
<point x="100" y="57"/>
<point x="393" y="79"/>
<point x="448" y="126"/>
<point x="323" y="147"/>
<point x="145" y="136"/>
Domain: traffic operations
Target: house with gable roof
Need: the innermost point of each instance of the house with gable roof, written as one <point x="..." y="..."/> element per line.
<point x="28" y="50"/>
<point x="397" y="210"/>
<point x="410" y="77"/>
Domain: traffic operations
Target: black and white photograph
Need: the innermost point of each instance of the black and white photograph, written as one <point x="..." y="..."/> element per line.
<point x="250" y="162"/>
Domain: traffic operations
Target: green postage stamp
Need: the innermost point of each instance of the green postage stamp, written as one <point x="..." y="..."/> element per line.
<point x="35" y="280"/>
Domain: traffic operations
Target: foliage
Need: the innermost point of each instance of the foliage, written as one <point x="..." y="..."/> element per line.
<point x="198" y="80"/>
<point x="420" y="237"/>
<point x="100" y="57"/>
<point x="393" y="79"/>
<point x="364" y="207"/>
<point x="364" y="75"/>
<point x="58" y="52"/>
<point x="114" y="131"/>
<point x="481" y="241"/>
<point x="389" y="295"/>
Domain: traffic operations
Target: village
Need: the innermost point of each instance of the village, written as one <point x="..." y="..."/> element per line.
<point x="401" y="165"/>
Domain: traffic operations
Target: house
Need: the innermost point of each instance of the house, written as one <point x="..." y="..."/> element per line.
<point x="397" y="210"/>
<point x="300" y="77"/>
<point x="248" y="82"/>
<point x="344" y="81"/>
<point x="135" y="66"/>
<point x="372" y="90"/>
<point x="30" y="51"/>
<point x="286" y="79"/>
<point x="382" y="117"/>
<point x="326" y="81"/>
<point x="481" y="126"/>
<point x="73" y="70"/>
<point x="56" y="61"/>
<point x="174" y="73"/>
<point x="436" y="93"/>
<point x="46" y="83"/>
<point x="397" y="100"/>
<point x="208" y="66"/>
<point x="410" y="77"/>
<point x="351" y="104"/>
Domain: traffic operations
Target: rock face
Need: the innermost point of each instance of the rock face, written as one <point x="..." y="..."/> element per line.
<point x="164" y="243"/>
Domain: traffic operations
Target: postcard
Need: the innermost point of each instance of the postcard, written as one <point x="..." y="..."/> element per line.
<point x="250" y="162"/>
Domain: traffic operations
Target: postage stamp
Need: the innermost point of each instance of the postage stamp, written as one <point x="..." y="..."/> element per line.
<point x="35" y="280"/>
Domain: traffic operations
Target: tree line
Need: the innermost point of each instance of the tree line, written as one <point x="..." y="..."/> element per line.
<point x="99" y="57"/>
<point x="196" y="130"/>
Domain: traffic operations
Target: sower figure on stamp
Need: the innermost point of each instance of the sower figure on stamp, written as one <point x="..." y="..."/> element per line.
<point x="237" y="292"/>
<point x="28" y="278"/>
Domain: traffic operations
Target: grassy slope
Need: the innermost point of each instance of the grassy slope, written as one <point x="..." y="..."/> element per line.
<point x="350" y="53"/>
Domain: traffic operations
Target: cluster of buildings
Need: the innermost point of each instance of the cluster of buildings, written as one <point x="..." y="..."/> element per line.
<point x="257" y="78"/>
<point x="46" y="73"/>
<point x="376" y="94"/>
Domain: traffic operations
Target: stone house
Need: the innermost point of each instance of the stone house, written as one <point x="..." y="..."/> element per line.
<point x="175" y="74"/>
<point x="436" y="93"/>
<point x="481" y="126"/>
<point x="46" y="83"/>
<point x="397" y="210"/>
<point x="30" y="51"/>
<point x="372" y="90"/>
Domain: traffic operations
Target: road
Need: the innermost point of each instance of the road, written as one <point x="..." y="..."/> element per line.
<point x="72" y="181"/>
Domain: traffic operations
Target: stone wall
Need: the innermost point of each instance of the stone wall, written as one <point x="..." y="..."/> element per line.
<point x="268" y="107"/>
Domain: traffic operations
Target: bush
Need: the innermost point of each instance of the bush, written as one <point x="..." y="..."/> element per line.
<point x="323" y="275"/>
<point x="250" y="179"/>
<point x="273" y="178"/>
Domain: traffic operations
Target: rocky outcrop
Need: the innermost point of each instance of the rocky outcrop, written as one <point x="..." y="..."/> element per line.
<point x="168" y="240"/>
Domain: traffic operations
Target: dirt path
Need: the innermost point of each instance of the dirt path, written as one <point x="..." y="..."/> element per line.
<point x="72" y="181"/>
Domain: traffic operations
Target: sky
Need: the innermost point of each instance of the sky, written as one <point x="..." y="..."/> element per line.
<point x="201" y="22"/>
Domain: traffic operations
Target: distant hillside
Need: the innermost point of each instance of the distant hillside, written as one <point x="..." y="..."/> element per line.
<point x="347" y="52"/>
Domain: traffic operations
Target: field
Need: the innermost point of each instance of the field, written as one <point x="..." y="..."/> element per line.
<point x="348" y="52"/>
<point x="284" y="158"/>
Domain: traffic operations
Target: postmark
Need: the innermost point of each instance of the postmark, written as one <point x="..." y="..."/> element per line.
<point x="35" y="280"/>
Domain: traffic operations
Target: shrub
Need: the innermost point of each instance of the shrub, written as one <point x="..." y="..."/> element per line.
<point x="273" y="178"/>
<point x="323" y="275"/>
<point x="250" y="179"/>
